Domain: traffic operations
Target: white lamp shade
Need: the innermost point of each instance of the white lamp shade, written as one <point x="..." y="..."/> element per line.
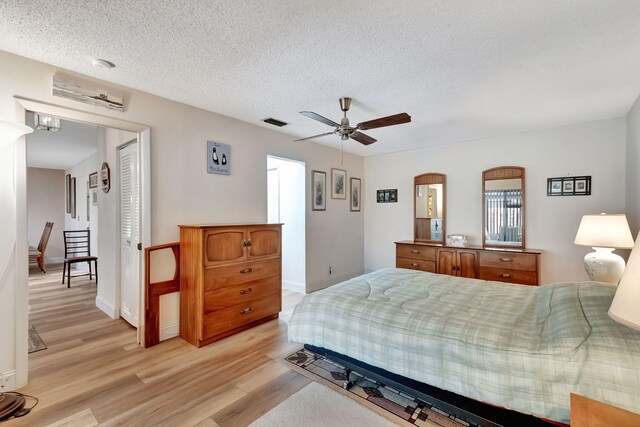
<point x="625" y="308"/>
<point x="10" y="131"/>
<point x="604" y="231"/>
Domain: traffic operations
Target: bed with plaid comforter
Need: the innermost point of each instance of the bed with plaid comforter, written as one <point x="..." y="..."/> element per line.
<point x="521" y="347"/>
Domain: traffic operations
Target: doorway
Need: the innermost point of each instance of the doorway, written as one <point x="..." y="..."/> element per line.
<point x="286" y="204"/>
<point x="109" y="301"/>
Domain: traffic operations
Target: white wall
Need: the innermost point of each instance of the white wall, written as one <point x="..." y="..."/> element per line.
<point x="291" y="212"/>
<point x="596" y="149"/>
<point x="46" y="202"/>
<point x="633" y="168"/>
<point x="182" y="192"/>
<point x="81" y="173"/>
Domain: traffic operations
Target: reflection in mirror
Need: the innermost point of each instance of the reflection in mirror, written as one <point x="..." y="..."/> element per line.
<point x="429" y="208"/>
<point x="503" y="207"/>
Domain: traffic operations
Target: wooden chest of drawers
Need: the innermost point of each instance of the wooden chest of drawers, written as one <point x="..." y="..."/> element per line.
<point x="512" y="266"/>
<point x="230" y="279"/>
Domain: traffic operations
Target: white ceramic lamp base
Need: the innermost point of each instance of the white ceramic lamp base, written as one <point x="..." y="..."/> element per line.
<point x="604" y="266"/>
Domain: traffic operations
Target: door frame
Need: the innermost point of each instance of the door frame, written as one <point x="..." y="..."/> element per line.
<point x="21" y="296"/>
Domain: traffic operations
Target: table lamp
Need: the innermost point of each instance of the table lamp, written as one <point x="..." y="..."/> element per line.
<point x="624" y="308"/>
<point x="604" y="233"/>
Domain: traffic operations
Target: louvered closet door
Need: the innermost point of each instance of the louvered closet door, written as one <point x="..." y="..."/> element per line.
<point x="129" y="234"/>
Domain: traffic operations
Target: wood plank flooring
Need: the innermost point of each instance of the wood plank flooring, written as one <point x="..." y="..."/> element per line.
<point x="94" y="373"/>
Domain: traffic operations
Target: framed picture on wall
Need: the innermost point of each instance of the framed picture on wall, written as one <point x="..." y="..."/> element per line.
<point x="318" y="191"/>
<point x="338" y="184"/>
<point x="356" y="194"/>
<point x="67" y="192"/>
<point x="93" y="180"/>
<point x="72" y="197"/>
<point x="94" y="197"/>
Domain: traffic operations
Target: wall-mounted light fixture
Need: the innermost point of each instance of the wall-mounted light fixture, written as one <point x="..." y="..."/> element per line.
<point x="44" y="122"/>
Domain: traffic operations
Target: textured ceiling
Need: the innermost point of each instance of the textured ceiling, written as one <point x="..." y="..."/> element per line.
<point x="73" y="143"/>
<point x="462" y="69"/>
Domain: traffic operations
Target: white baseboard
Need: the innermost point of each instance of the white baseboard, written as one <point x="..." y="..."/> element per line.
<point x="294" y="286"/>
<point x="7" y="381"/>
<point x="331" y="282"/>
<point x="109" y="309"/>
<point x="169" y="331"/>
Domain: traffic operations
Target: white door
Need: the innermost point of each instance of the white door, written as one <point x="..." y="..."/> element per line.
<point x="129" y="234"/>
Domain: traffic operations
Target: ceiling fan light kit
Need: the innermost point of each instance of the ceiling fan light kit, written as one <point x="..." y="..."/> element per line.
<point x="346" y="131"/>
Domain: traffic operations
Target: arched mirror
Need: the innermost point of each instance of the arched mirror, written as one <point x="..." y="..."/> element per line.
<point x="503" y="207"/>
<point x="429" y="207"/>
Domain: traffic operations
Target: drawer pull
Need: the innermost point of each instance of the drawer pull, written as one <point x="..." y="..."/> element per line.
<point x="504" y="275"/>
<point x="415" y="264"/>
<point x="415" y="252"/>
<point x="247" y="310"/>
<point x="506" y="259"/>
<point x="246" y="291"/>
<point x="246" y="270"/>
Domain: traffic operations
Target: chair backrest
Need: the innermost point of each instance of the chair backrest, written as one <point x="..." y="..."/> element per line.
<point x="77" y="243"/>
<point x="44" y="240"/>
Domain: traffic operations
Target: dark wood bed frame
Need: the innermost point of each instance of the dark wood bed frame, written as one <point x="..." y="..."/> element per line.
<point x="469" y="410"/>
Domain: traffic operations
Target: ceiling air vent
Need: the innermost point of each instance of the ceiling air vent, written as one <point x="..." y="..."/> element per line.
<point x="275" y="122"/>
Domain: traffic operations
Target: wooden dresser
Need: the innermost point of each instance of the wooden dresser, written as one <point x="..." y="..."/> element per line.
<point x="502" y="265"/>
<point x="230" y="279"/>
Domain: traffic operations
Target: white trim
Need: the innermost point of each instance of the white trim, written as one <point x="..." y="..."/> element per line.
<point x="327" y="283"/>
<point x="109" y="309"/>
<point x="169" y="331"/>
<point x="294" y="286"/>
<point x="7" y="381"/>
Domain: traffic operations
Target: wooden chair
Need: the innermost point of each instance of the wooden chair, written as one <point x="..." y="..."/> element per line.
<point x="77" y="248"/>
<point x="37" y="254"/>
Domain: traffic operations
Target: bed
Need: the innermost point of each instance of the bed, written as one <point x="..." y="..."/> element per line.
<point x="519" y="347"/>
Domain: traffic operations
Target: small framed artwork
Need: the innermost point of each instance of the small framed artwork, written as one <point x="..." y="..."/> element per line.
<point x="338" y="184"/>
<point x="569" y="186"/>
<point x="94" y="197"/>
<point x="218" y="158"/>
<point x="105" y="177"/>
<point x="93" y="180"/>
<point x="67" y="188"/>
<point x="356" y="194"/>
<point x="72" y="197"/>
<point x="387" y="196"/>
<point x="318" y="191"/>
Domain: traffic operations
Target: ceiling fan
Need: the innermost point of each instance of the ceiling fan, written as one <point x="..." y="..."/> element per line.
<point x="346" y="131"/>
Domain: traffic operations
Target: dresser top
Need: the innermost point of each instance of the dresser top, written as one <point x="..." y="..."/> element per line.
<point x="476" y="247"/>
<point x="244" y="224"/>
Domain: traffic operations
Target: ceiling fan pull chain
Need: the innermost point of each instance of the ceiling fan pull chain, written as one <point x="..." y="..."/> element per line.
<point x="341" y="153"/>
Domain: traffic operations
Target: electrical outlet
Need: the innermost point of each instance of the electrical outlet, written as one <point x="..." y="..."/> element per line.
<point x="330" y="270"/>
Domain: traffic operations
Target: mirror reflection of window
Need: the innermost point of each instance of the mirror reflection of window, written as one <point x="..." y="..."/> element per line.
<point x="503" y="212"/>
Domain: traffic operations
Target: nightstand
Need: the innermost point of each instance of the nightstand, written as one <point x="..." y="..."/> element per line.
<point x="587" y="412"/>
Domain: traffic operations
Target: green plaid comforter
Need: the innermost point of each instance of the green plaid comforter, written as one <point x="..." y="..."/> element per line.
<point x="522" y="347"/>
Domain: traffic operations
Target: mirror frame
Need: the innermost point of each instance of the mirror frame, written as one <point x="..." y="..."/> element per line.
<point x="503" y="172"/>
<point x="426" y="179"/>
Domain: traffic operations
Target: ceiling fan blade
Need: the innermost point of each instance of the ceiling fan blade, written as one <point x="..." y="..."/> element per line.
<point x="318" y="117"/>
<point x="362" y="138"/>
<point x="314" y="136"/>
<point x="396" y="119"/>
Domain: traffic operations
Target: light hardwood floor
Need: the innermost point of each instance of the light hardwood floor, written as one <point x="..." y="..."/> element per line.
<point x="94" y="373"/>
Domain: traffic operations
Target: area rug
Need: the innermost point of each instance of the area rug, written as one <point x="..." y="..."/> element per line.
<point x="317" y="405"/>
<point x="35" y="342"/>
<point x="407" y="407"/>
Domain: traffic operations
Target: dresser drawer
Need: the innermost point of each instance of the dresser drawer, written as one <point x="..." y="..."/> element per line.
<point x="229" y="318"/>
<point x="510" y="276"/>
<point x="221" y="277"/>
<point x="512" y="261"/>
<point x="416" y="264"/>
<point x="242" y="293"/>
<point x="416" y="252"/>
